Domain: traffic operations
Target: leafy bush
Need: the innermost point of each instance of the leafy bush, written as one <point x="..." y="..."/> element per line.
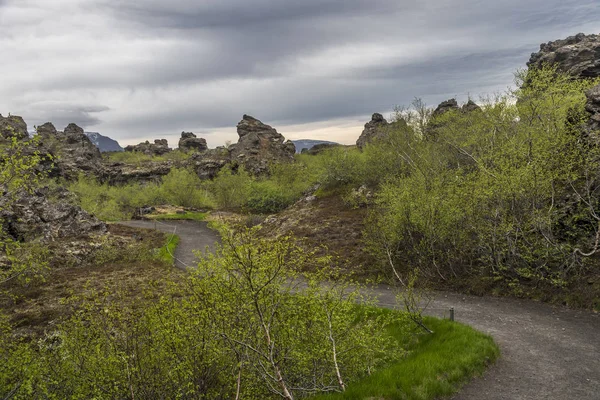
<point x="112" y="203"/>
<point x="182" y="187"/>
<point x="489" y="194"/>
<point x="237" y="324"/>
<point x="231" y="188"/>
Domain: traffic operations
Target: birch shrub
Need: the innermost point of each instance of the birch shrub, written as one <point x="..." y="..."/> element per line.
<point x="508" y="193"/>
<point x="244" y="324"/>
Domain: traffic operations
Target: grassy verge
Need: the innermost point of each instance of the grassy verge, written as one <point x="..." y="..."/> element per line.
<point x="194" y="216"/>
<point x="165" y="252"/>
<point x="438" y="365"/>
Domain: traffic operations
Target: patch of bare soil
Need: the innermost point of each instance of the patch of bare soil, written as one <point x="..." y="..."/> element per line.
<point x="37" y="307"/>
<point x="328" y="226"/>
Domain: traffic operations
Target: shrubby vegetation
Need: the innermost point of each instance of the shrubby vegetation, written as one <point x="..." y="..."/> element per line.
<point x="237" y="327"/>
<point x="19" y="174"/>
<point x="503" y="195"/>
<point x="180" y="187"/>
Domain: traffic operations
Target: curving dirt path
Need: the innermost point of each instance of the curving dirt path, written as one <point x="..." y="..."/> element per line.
<point x="193" y="235"/>
<point x="547" y="352"/>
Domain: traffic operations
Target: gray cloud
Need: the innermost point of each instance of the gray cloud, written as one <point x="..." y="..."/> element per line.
<point x="146" y="69"/>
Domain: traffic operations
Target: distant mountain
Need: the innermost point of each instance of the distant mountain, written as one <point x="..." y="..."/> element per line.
<point x="308" y="144"/>
<point x="104" y="143"/>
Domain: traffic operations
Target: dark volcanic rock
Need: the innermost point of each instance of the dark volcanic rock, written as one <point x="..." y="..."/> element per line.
<point x="470" y="106"/>
<point x="208" y="163"/>
<point x="35" y="217"/>
<point x="158" y="148"/>
<point x="124" y="173"/>
<point x="13" y="126"/>
<point x="189" y="142"/>
<point x="592" y="129"/>
<point x="578" y="55"/>
<point x="373" y="129"/>
<point x="71" y="150"/>
<point x="444" y="107"/>
<point x="46" y="129"/>
<point x="260" y="145"/>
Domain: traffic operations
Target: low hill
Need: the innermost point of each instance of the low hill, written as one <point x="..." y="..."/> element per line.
<point x="308" y="144"/>
<point x="104" y="143"/>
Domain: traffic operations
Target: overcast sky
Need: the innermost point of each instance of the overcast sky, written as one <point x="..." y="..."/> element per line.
<point x="144" y="69"/>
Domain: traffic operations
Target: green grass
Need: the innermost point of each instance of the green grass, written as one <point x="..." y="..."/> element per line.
<point x="165" y="252"/>
<point x="438" y="365"/>
<point x="190" y="215"/>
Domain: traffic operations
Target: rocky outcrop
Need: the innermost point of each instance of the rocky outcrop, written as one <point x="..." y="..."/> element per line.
<point x="46" y="129"/>
<point x="375" y="128"/>
<point x="592" y="128"/>
<point x="208" y="163"/>
<point x="119" y="173"/>
<point x="444" y="107"/>
<point x="71" y="150"/>
<point x="259" y="145"/>
<point x="13" y="126"/>
<point x="47" y="215"/>
<point x="189" y="142"/>
<point x="470" y="106"/>
<point x="158" y="148"/>
<point x="578" y="55"/>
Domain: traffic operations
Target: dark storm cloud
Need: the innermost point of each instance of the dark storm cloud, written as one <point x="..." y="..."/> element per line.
<point x="162" y="67"/>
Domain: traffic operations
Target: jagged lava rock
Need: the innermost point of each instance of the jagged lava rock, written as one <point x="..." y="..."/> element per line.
<point x="119" y="173"/>
<point x="72" y="151"/>
<point x="470" y="106"/>
<point x="259" y="145"/>
<point x="158" y="148"/>
<point x="13" y="126"/>
<point x="33" y="216"/>
<point x="592" y="106"/>
<point x="578" y="55"/>
<point x="373" y="129"/>
<point x="207" y="164"/>
<point x="189" y="142"/>
<point x="444" y="107"/>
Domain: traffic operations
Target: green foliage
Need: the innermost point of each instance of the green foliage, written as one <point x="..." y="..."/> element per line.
<point x="182" y="187"/>
<point x="491" y="192"/>
<point x="243" y="323"/>
<point x="114" y="203"/>
<point x="231" y="188"/>
<point x="341" y="167"/>
<point x="19" y="174"/>
<point x="166" y="253"/>
<point x="438" y="366"/>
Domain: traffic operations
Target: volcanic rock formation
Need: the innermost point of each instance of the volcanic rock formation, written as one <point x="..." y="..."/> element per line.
<point x="189" y="142"/>
<point x="578" y="55"/>
<point x="375" y="128"/>
<point x="13" y="126"/>
<point x="259" y="145"/>
<point x="33" y="216"/>
<point x="158" y="148"/>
